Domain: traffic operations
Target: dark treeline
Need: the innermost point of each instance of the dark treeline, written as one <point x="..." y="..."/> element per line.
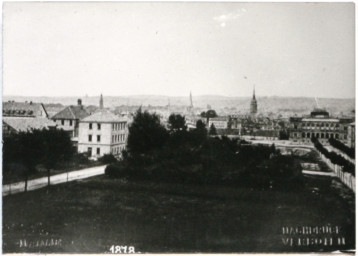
<point x="334" y="157"/>
<point x="342" y="147"/>
<point x="179" y="155"/>
<point x="24" y="151"/>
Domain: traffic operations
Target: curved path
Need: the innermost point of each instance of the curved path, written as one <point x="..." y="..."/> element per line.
<point x="18" y="187"/>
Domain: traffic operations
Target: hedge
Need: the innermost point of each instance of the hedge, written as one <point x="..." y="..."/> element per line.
<point x="334" y="157"/>
<point x="342" y="147"/>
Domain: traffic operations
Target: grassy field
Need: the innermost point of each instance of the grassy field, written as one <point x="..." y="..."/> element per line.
<point x="94" y="214"/>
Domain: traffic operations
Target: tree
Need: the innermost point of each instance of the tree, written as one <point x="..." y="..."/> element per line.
<point x="283" y="135"/>
<point x="211" y="113"/>
<point x="145" y="133"/>
<point x="108" y="159"/>
<point x="57" y="147"/>
<point x="23" y="148"/>
<point x="212" y="130"/>
<point x="199" y="134"/>
<point x="177" y="123"/>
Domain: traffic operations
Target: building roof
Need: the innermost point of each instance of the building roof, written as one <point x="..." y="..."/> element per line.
<point x="104" y="116"/>
<point x="23" y="124"/>
<point x="22" y="109"/>
<point x="319" y="112"/>
<point x="72" y="112"/>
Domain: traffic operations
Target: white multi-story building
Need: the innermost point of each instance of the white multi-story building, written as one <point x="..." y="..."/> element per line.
<point x="319" y="125"/>
<point x="102" y="133"/>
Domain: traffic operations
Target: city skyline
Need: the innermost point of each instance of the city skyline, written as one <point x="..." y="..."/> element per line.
<point x="284" y="49"/>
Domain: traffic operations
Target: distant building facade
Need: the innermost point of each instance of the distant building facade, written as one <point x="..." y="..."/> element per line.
<point x="318" y="124"/>
<point x="351" y="135"/>
<point x="102" y="133"/>
<point x="219" y="122"/>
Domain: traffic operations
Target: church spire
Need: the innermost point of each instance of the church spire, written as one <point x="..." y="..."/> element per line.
<point x="191" y="101"/>
<point x="101" y="102"/>
<point x="253" y="105"/>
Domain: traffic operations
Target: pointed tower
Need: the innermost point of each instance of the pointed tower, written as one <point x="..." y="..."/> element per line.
<point x="253" y="105"/>
<point x="101" y="102"/>
<point x="191" y="101"/>
<point x="168" y="107"/>
<point x="190" y="109"/>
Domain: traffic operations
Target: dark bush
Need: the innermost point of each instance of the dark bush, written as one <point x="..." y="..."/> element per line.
<point x="116" y="171"/>
<point x="107" y="159"/>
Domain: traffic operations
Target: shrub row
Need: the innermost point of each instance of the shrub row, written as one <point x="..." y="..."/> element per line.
<point x="342" y="147"/>
<point x="334" y="157"/>
<point x="279" y="172"/>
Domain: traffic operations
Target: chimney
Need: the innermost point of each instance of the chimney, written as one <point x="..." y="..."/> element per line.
<point x="79" y="102"/>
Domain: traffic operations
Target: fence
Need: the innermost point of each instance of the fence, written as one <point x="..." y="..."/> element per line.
<point x="54" y="179"/>
<point x="348" y="179"/>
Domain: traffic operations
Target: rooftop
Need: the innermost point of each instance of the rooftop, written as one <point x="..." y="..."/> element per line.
<point x="319" y="112"/>
<point x="104" y="116"/>
<point x="72" y="112"/>
<point x="22" y="109"/>
<point x="23" y="124"/>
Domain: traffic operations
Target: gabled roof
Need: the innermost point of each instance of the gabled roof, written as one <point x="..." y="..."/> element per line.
<point x="27" y="123"/>
<point x="104" y="116"/>
<point x="22" y="109"/>
<point x="72" y="112"/>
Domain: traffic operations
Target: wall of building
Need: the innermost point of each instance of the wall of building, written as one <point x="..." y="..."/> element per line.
<point x="351" y="136"/>
<point x="323" y="129"/>
<point x="113" y="137"/>
<point x="68" y="125"/>
<point x="218" y="124"/>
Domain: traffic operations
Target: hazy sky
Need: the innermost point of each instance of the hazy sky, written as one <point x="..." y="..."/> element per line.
<point x="74" y="49"/>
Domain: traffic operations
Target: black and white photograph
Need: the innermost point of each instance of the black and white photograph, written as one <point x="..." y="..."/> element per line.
<point x="178" y="127"/>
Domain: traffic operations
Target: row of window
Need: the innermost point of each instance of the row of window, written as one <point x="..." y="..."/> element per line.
<point x="319" y="135"/>
<point x="63" y="122"/>
<point x="89" y="150"/>
<point x="320" y="124"/>
<point x="118" y="126"/>
<point x="118" y="138"/>
<point x="117" y="150"/>
<point x="98" y="138"/>
<point x="90" y="126"/>
<point x="317" y="128"/>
